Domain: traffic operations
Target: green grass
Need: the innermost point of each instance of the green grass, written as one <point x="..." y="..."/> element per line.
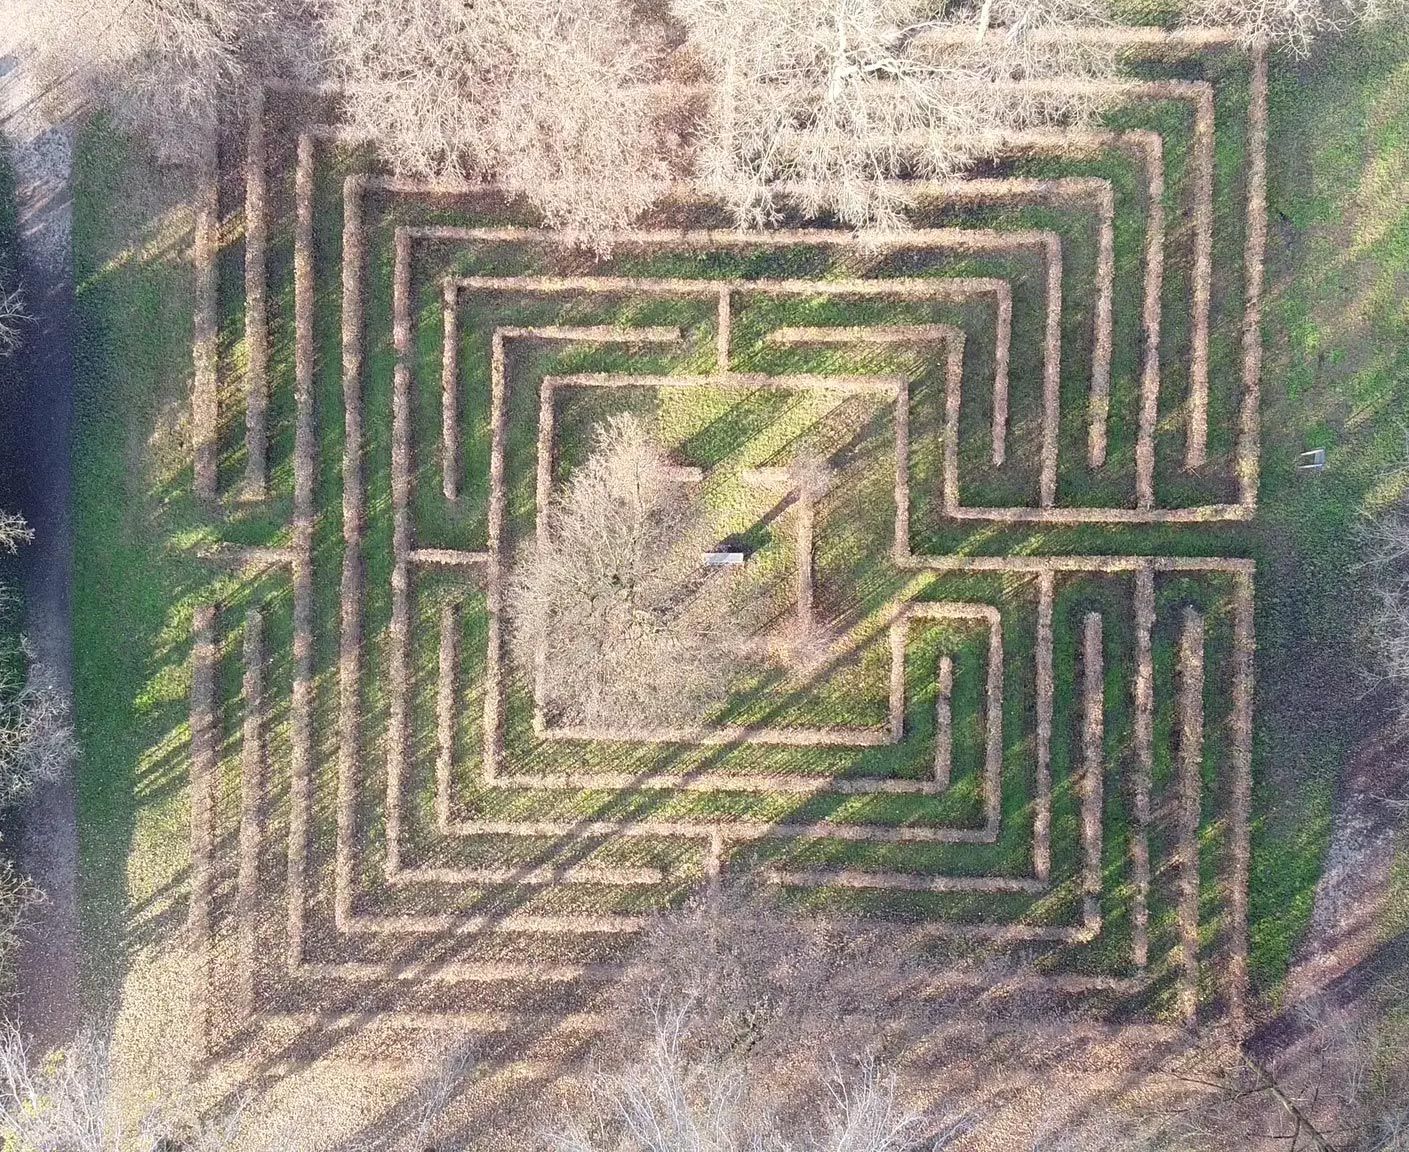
<point x="1337" y="373"/>
<point x="133" y="585"/>
<point x="1337" y="352"/>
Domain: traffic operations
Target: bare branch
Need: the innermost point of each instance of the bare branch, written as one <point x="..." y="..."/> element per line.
<point x="71" y="1103"/>
<point x="664" y="1102"/>
<point x="548" y="99"/>
<point x="448" y="1062"/>
<point x="162" y="67"/>
<point x="1293" y="24"/>
<point x="13" y="316"/>
<point x="828" y="104"/>
<point x="611" y="606"/>
<point x="36" y="736"/>
<point x="13" y="532"/>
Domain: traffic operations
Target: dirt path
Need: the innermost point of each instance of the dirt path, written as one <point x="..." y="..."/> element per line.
<point x="1318" y="1040"/>
<point x="1345" y="947"/>
<point x="48" y="849"/>
<point x="1348" y="916"/>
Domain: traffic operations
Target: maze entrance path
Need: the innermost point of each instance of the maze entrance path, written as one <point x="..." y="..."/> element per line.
<point x="1003" y="747"/>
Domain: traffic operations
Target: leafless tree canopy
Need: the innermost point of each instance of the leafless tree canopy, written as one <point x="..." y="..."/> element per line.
<point x="662" y="1102"/>
<point x="13" y="532"/>
<point x="831" y="102"/>
<point x="71" y="1103"/>
<point x="741" y="1026"/>
<point x="35" y="736"/>
<point x="1295" y="24"/>
<point x="550" y="99"/>
<point x="448" y="1063"/>
<point x="12" y="317"/>
<point x="161" y="65"/>
<point x="611" y="601"/>
<point x="793" y="994"/>
<point x="1342" y="1084"/>
<point x="164" y="68"/>
<point x="36" y="739"/>
<point x="18" y="894"/>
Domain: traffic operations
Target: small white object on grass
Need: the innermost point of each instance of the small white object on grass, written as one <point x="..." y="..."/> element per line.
<point x="1314" y="459"/>
<point x="721" y="559"/>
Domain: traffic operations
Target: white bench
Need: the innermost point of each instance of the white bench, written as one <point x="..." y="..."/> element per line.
<point x="721" y="559"/>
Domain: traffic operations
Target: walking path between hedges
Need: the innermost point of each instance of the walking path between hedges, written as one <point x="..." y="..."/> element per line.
<point x="40" y="153"/>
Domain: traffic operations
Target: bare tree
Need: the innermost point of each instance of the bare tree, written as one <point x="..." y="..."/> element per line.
<point x="35" y="735"/>
<point x="611" y="605"/>
<point x="64" y="1103"/>
<point x="1294" y="24"/>
<point x="163" y="67"/>
<point x="661" y="1102"/>
<point x="829" y="103"/>
<point x="36" y="739"/>
<point x="575" y="133"/>
<point x="744" y="1026"/>
<point x="13" y="315"/>
<point x="790" y="994"/>
<point x="160" y="65"/>
<point x="71" y="1102"/>
<point x="13" y="532"/>
<point x="550" y="100"/>
<point x="448" y="1064"/>
<point x="18" y="894"/>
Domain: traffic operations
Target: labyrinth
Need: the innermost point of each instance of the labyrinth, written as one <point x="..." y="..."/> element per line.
<point x="1028" y="735"/>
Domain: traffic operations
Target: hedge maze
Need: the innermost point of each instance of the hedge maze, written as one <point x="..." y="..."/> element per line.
<point x="1026" y="731"/>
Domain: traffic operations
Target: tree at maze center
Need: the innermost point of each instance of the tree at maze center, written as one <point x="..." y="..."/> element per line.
<point x="613" y="611"/>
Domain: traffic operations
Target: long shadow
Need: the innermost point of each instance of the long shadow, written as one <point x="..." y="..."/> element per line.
<point x="40" y="453"/>
<point x="1290" y="1026"/>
